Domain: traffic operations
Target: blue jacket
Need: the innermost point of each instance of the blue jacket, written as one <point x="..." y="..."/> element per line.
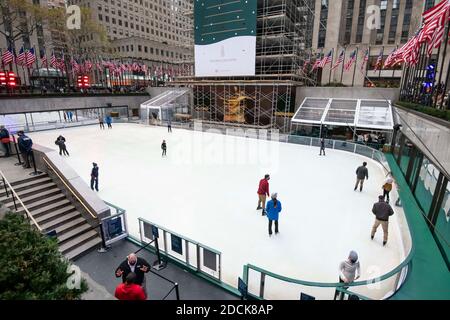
<point x="25" y="143"/>
<point x="108" y="119"/>
<point x="272" y="212"/>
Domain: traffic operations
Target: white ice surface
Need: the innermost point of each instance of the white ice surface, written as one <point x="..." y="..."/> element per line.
<point x="193" y="194"/>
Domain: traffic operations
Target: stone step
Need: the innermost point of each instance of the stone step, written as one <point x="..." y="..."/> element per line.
<point x="36" y="197"/>
<point x="86" y="247"/>
<point x="27" y="185"/>
<point x="28" y="180"/>
<point x="73" y="233"/>
<point x="49" y="216"/>
<point x="29" y="192"/>
<point x="55" y="223"/>
<point x="64" y="203"/>
<point x="78" y="241"/>
<point x="40" y="203"/>
<point x="69" y="225"/>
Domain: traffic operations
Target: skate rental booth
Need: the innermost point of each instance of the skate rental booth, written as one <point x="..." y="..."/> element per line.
<point x="344" y="119"/>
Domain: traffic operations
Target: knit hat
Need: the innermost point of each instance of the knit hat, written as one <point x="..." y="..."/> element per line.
<point x="353" y="256"/>
<point x="274" y="195"/>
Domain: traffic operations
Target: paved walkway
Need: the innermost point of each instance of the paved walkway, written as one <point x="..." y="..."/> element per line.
<point x="101" y="267"/>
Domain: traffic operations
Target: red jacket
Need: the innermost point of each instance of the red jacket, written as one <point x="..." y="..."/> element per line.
<point x="263" y="187"/>
<point x="129" y="292"/>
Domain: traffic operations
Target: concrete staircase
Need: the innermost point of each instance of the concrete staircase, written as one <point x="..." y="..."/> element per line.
<point x="53" y="211"/>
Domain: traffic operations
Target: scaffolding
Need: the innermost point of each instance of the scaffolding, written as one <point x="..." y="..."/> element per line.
<point x="267" y="99"/>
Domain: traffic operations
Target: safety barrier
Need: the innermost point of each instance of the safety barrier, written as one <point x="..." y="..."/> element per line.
<point x="191" y="254"/>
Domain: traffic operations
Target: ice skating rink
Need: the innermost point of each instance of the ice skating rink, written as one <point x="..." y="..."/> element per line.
<point x="205" y="189"/>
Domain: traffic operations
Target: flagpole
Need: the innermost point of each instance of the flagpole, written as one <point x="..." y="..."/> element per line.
<point x="444" y="54"/>
<point x="367" y="64"/>
<point x="354" y="69"/>
<point x="343" y="63"/>
<point x="331" y="65"/>
<point x="381" y="64"/>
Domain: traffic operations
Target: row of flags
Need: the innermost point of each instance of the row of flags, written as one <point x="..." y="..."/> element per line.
<point x="431" y="33"/>
<point x="27" y="58"/>
<point x="328" y="59"/>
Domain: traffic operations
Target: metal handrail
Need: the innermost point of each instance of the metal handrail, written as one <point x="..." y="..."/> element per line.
<point x="20" y="201"/>
<point x="70" y="189"/>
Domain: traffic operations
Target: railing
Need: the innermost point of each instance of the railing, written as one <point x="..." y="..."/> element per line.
<point x="17" y="200"/>
<point x="191" y="254"/>
<point x="47" y="162"/>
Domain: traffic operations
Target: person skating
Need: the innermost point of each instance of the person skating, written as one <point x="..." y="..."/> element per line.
<point x="109" y="121"/>
<point x="263" y="191"/>
<point x="361" y="174"/>
<point x="25" y="146"/>
<point x="273" y="211"/>
<point x="94" y="177"/>
<point x="322" y="146"/>
<point x="5" y="140"/>
<point x="349" y="271"/>
<point x="382" y="212"/>
<point x="100" y="121"/>
<point x="128" y="290"/>
<point x="387" y="187"/>
<point x="61" y="142"/>
<point x="134" y="264"/>
<point x="169" y="126"/>
<point x="164" y="148"/>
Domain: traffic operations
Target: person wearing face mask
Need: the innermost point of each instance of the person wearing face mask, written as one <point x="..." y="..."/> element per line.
<point x="134" y="264"/>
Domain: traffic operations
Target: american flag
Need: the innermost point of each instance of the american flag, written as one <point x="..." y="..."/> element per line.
<point x="350" y="62"/>
<point x="7" y="57"/>
<point x="339" y="60"/>
<point x="326" y="60"/>
<point x="75" y="65"/>
<point x="98" y="65"/>
<point x="88" y="65"/>
<point x="379" y="62"/>
<point x="305" y="64"/>
<point x="144" y="68"/>
<point x="20" y="59"/>
<point x="30" y="57"/>
<point x="435" y="11"/>
<point x="390" y="59"/>
<point x="366" y="58"/>
<point x="53" y="61"/>
<point x="317" y="63"/>
<point x="44" y="61"/>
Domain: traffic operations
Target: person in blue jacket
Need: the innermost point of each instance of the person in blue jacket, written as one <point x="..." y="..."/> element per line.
<point x="25" y="147"/>
<point x="273" y="208"/>
<point x="109" y="121"/>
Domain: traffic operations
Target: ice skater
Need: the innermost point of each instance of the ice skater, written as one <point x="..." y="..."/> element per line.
<point x="5" y="140"/>
<point x="273" y="210"/>
<point x="164" y="148"/>
<point x="361" y="174"/>
<point x="322" y="146"/>
<point x="349" y="271"/>
<point x="263" y="190"/>
<point x="94" y="177"/>
<point x="100" y="121"/>
<point x="169" y="126"/>
<point x="382" y="211"/>
<point x="387" y="187"/>
<point x="109" y="121"/>
<point x="61" y="143"/>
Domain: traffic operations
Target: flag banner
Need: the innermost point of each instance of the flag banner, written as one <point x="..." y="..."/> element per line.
<point x="7" y="57"/>
<point x="326" y="60"/>
<point x="350" y="62"/>
<point x="339" y="60"/>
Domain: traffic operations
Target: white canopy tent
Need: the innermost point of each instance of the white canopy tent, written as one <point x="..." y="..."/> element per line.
<point x="357" y="113"/>
<point x="166" y="106"/>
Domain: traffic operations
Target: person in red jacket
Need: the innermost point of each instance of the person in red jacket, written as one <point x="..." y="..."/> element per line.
<point x="129" y="290"/>
<point x="263" y="192"/>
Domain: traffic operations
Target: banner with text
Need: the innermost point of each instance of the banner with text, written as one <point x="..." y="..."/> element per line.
<point x="225" y="37"/>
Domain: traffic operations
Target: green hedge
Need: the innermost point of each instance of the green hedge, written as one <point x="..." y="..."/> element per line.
<point x="32" y="266"/>
<point x="441" y="114"/>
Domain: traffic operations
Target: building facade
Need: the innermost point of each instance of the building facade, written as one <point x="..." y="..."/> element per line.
<point x="157" y="32"/>
<point x="351" y="25"/>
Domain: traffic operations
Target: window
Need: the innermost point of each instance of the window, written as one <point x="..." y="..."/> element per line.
<point x="323" y="23"/>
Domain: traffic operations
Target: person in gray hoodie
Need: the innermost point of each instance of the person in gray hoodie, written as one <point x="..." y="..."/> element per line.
<point x="382" y="211"/>
<point x="361" y="174"/>
<point x="349" y="271"/>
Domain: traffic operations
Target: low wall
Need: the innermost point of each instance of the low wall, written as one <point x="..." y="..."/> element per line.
<point x="73" y="180"/>
<point x="346" y="92"/>
<point x="46" y="104"/>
